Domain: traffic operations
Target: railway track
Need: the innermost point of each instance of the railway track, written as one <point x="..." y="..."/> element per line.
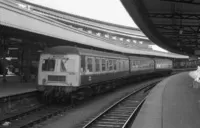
<point x="41" y="112"/>
<point x="34" y="116"/>
<point x="34" y="112"/>
<point x="10" y="106"/>
<point x="121" y="113"/>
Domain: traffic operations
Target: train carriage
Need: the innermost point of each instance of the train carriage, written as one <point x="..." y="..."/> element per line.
<point x="65" y="69"/>
<point x="141" y="65"/>
<point x="69" y="67"/>
<point x="185" y="63"/>
<point x="97" y="66"/>
<point x="163" y="66"/>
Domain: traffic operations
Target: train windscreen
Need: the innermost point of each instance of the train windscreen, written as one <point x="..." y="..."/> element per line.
<point x="63" y="65"/>
<point x="48" y="65"/>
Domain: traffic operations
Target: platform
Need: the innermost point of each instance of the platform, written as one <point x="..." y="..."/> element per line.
<point x="173" y="103"/>
<point x="13" y="86"/>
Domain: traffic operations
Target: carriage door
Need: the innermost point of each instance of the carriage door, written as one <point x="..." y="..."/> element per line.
<point x="73" y="66"/>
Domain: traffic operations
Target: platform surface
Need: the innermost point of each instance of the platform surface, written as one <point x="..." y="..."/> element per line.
<point x="173" y="103"/>
<point x="13" y="86"/>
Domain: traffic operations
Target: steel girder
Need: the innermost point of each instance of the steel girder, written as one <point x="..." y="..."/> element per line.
<point x="188" y="28"/>
<point x="183" y="1"/>
<point x="190" y="33"/>
<point x="175" y="16"/>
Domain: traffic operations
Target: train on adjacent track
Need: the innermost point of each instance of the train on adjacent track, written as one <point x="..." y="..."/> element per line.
<point x="66" y="69"/>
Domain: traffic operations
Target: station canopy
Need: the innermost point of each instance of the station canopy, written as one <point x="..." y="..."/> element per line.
<point x="172" y="24"/>
<point x="23" y="27"/>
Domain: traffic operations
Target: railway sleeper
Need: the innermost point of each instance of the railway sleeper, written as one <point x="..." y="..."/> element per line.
<point x="123" y="113"/>
<point x="106" y="125"/>
<point x="110" y="122"/>
<point x="118" y="115"/>
<point x="113" y="119"/>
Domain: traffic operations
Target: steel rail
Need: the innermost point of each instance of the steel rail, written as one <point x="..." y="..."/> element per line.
<point x="94" y="120"/>
<point x="22" y="114"/>
<point x="32" y="118"/>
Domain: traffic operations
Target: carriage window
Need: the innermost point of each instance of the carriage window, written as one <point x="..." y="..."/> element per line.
<point x="89" y="64"/>
<point x="107" y="64"/>
<point x="48" y="65"/>
<point x="152" y="64"/>
<point x="115" y="64"/>
<point x="124" y="67"/>
<point x="138" y="64"/>
<point x="127" y="65"/>
<point x="133" y="64"/>
<point x="103" y="65"/>
<point x="110" y="65"/>
<point x="97" y="62"/>
<point x="119" y="65"/>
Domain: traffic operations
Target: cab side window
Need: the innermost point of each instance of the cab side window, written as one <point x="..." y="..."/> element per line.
<point x="82" y="64"/>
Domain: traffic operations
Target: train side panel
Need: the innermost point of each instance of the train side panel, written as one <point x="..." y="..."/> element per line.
<point x="141" y="65"/>
<point x="185" y="63"/>
<point x="97" y="69"/>
<point x="163" y="65"/>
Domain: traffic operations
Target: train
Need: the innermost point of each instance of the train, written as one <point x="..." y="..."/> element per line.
<point x="185" y="63"/>
<point x="66" y="69"/>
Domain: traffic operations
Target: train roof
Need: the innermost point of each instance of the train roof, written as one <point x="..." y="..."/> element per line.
<point x="140" y="58"/>
<point x="83" y="51"/>
<point x="80" y="51"/>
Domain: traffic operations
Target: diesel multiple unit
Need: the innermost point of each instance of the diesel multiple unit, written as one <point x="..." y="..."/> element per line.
<point x="64" y="69"/>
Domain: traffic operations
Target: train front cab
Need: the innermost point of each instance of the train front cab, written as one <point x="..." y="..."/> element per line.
<point x="59" y="71"/>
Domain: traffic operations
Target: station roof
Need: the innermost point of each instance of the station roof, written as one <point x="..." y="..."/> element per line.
<point x="172" y="24"/>
<point x="86" y="22"/>
<point x="18" y="23"/>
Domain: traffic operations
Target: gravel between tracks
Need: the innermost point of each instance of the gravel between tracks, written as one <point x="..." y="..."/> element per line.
<point x="90" y="108"/>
